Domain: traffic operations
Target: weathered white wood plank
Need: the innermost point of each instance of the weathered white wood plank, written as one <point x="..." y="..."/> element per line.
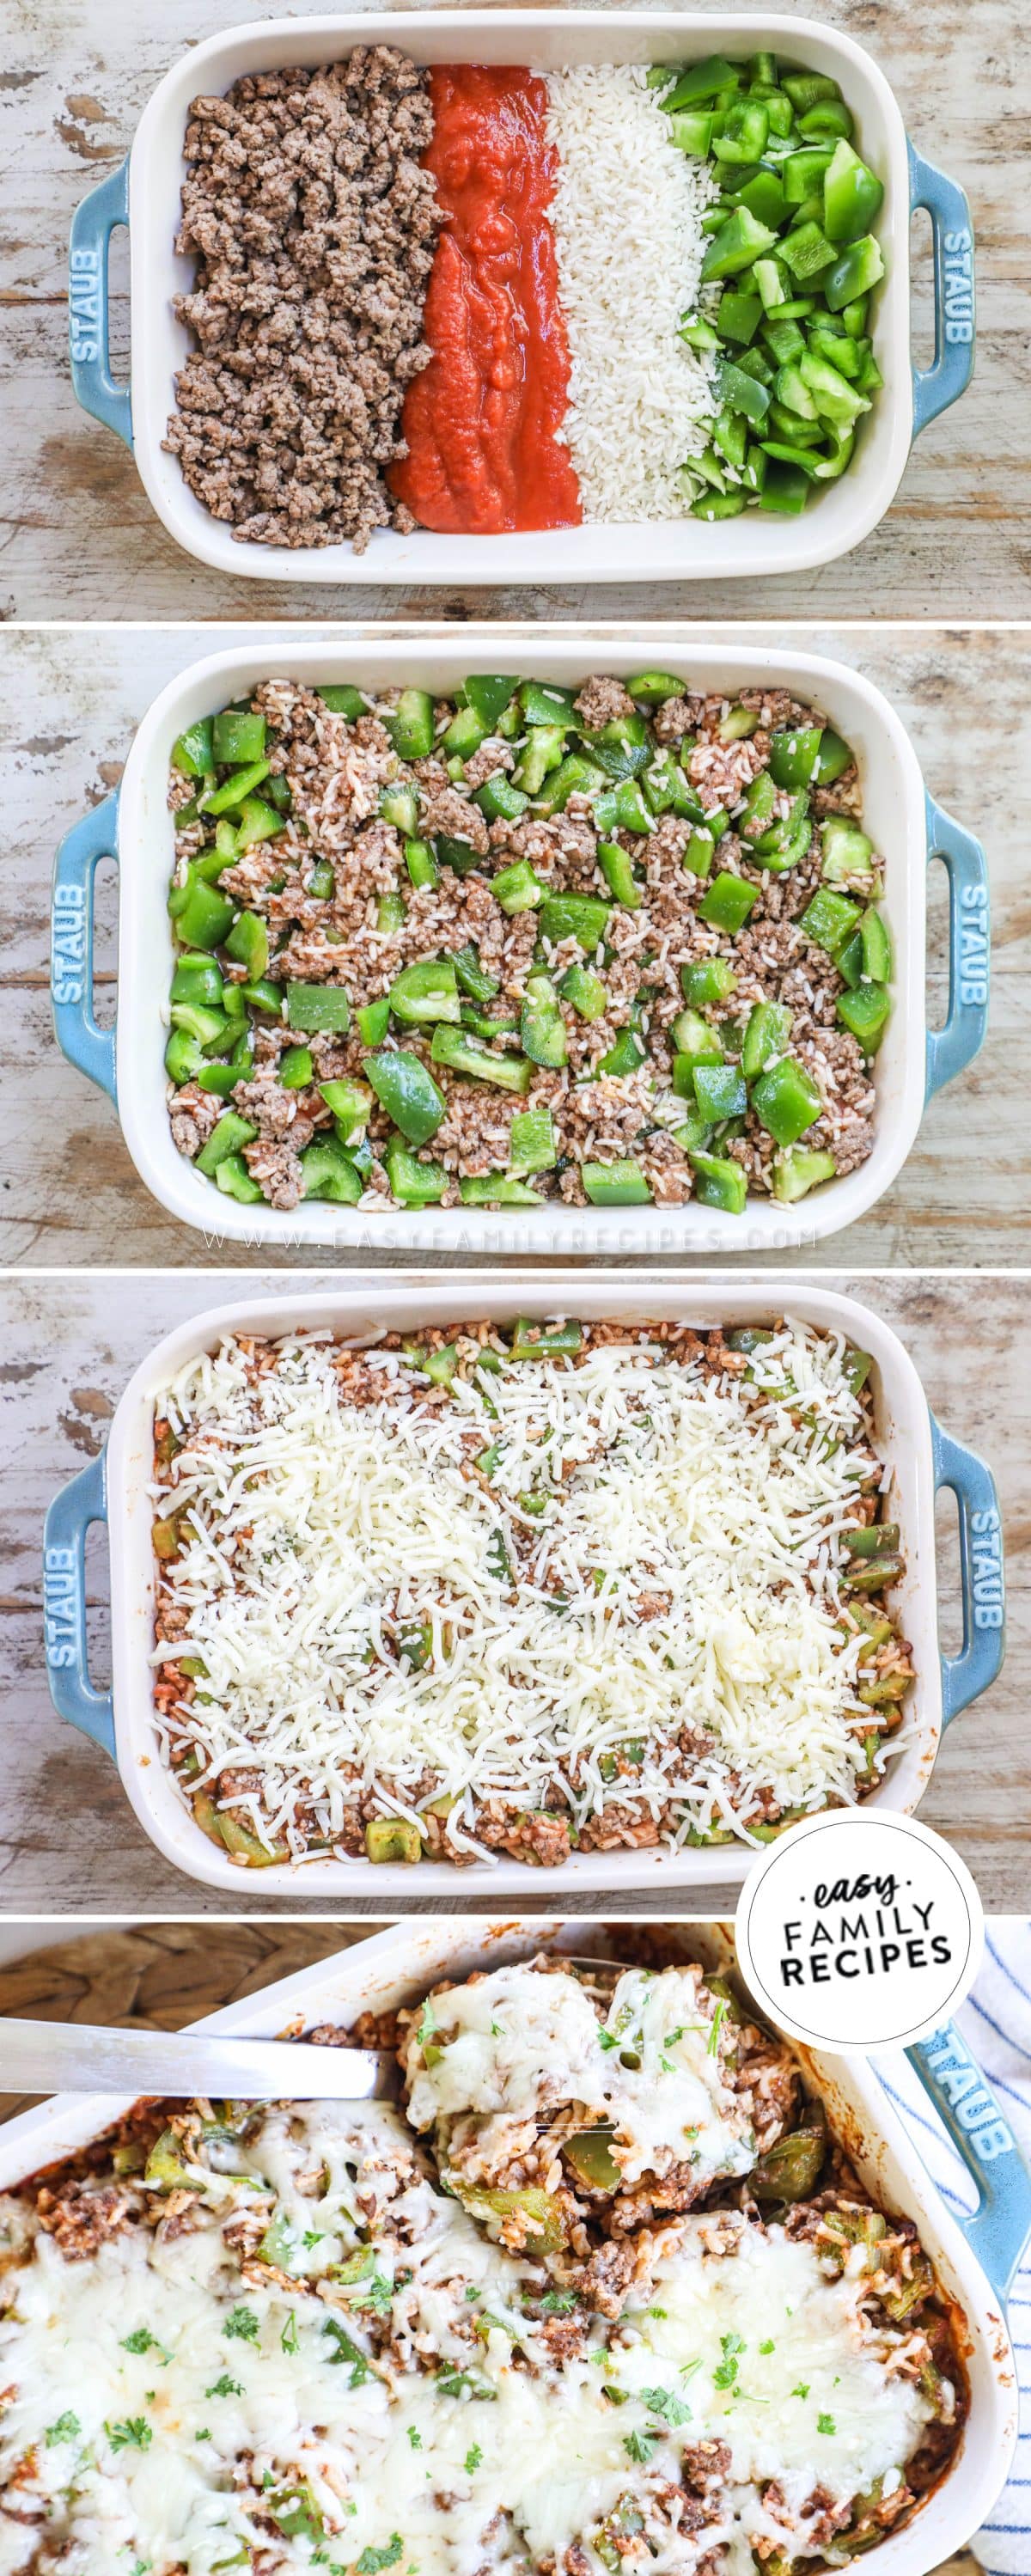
<point x="68" y="1840"/>
<point x="68" y="706"/>
<point x="80" y="537"/>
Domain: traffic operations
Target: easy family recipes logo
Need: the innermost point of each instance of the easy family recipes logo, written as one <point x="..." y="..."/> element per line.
<point x="862" y="1927"/>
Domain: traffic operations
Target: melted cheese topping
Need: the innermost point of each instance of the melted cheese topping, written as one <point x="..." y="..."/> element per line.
<point x="164" y="2410"/>
<point x="518" y="2041"/>
<point x="678" y="1587"/>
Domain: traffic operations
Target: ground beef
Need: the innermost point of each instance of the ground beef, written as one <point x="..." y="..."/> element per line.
<point x="312" y="228"/>
<point x="600" y="701"/>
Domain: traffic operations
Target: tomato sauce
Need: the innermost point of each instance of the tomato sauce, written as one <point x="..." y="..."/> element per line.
<point x="480" y="421"/>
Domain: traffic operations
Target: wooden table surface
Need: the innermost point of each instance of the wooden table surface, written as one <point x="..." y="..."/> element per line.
<point x="68" y="706"/>
<point x="68" y="1839"/>
<point x="81" y="539"/>
<point x="160" y="1976"/>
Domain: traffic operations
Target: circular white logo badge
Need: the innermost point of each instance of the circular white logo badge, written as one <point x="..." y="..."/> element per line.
<point x="859" y="1931"/>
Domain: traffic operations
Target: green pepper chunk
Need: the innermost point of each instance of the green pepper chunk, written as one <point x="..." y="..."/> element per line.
<point x="198" y="979"/>
<point x="582" y="917"/>
<point x="796" y="1172"/>
<point x="263" y="995"/>
<point x="828" y="919"/>
<point x="517" y="888"/>
<point x="233" y="792"/>
<point x="710" y="979"/>
<point x="247" y="942"/>
<point x="463" y="1054"/>
<point x="767" y="1033"/>
<point x="194" y="752"/>
<point x="720" y="1091"/>
<point x="405" y="1088"/>
<point x="623" y="1056"/>
<point x="410" y="725"/>
<point x="616" y="1184"/>
<point x="328" y="1173"/>
<point x="847" y="852"/>
<point x="728" y="902"/>
<point x="542" y="1029"/>
<point x="719" y="1183"/>
<point x="653" y="688"/>
<point x="702" y="81"/>
<point x="343" y="700"/>
<point x="866" y="1013"/>
<point x="852" y="195"/>
<point x="574" y="775"/>
<point x="794" y="755"/>
<point x="543" y="702"/>
<point x="318" y="1007"/>
<point x="532" y="1145"/>
<point x="238" y="737"/>
<point x="488" y="693"/>
<point x="235" y="1181"/>
<point x="350" y="1103"/>
<point x="786" y="1101"/>
<point x="231" y="1133"/>
<point x="201" y="916"/>
<point x="740" y="241"/>
<point x="296" y="1069"/>
<point x="392" y="1838"/>
<point x="531" y="1341"/>
<point x="413" y="1183"/>
<point x="373" y="1021"/>
<point x="589" y="2153"/>
<point x="617" y="869"/>
<point x="585" y="990"/>
<point x="499" y="799"/>
<point x="184" y="1057"/>
<point x="473" y="977"/>
<point x="426" y="992"/>
<point x="791" y="2168"/>
<point x="860" y="267"/>
<point x="545" y="747"/>
<point x="496" y="1189"/>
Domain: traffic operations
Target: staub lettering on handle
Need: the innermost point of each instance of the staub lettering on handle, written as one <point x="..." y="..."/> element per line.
<point x="963" y="2085"/>
<point x="986" y="1556"/>
<point x="62" y="1605"/>
<point x="959" y="286"/>
<point x="84" y="305"/>
<point x="973" y="945"/>
<point x="68" y="943"/>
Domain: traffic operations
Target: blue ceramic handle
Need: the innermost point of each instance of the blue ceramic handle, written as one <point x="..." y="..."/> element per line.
<point x="64" y="1605"/>
<point x="71" y="944"/>
<point x="966" y="2105"/>
<point x="955" y="1045"/>
<point x="934" y="388"/>
<point x="92" y="226"/>
<point x="966" y="1675"/>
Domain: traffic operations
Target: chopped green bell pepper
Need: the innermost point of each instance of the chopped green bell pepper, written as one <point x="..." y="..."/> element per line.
<point x="414" y="1183"/>
<point x="796" y="1172"/>
<point x="426" y="991"/>
<point x="410" y="725"/>
<point x="350" y="1103"/>
<point x="296" y="1069"/>
<point x="517" y="888"/>
<point x="247" y="942"/>
<point x="786" y="1101"/>
<point x="405" y="1088"/>
<point x="201" y="916"/>
<point x="373" y="1021"/>
<point x="828" y="919"/>
<point x="617" y="868"/>
<point x="719" y="1183"/>
<point x="532" y="1144"/>
<point x="767" y="1034"/>
<point x="235" y="1181"/>
<point x="342" y="700"/>
<point x="852" y="195"/>
<point x="585" y="990"/>
<point x="238" y="737"/>
<point x="728" y="902"/>
<point x="318" y="1007"/>
<point x="866" y="1013"/>
<point x="329" y="1173"/>
<point x="473" y="977"/>
<point x="231" y="1133"/>
<point x="497" y="1189"/>
<point x="616" y="1184"/>
<point x="710" y="979"/>
<point x="720" y="1091"/>
<point x="462" y="1054"/>
<point x="542" y="1029"/>
<point x="583" y="917"/>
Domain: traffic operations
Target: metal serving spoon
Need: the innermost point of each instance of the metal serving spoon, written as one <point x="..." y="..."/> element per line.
<point x="53" y="2057"/>
<point x="79" y="2057"/>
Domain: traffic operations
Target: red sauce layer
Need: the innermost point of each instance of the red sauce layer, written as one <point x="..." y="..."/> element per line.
<point x="480" y="420"/>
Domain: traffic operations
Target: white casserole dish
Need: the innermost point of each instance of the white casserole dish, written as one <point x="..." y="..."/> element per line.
<point x="974" y="2260"/>
<point x="921" y="1458"/>
<point x="146" y="195"/>
<point x="135" y="827"/>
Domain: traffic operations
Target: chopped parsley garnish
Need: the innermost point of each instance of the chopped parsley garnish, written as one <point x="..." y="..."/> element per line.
<point x="662" y="2401"/>
<point x="241" y="2324"/>
<point x="769" y="2345"/>
<point x="639" y="2446"/>
<point x="731" y="2345"/>
<point x="607" y="2039"/>
<point x="459" y="2383"/>
<point x="66" y="2429"/>
<point x="371" y="2560"/>
<point x="672" y="2037"/>
<point x="204" y="2434"/>
<point x="374" y="2292"/>
<point x="826" y="2424"/>
<point x="312" y="2236"/>
<point x="717" y="2025"/>
<point x="347" y="2351"/>
<point x="141" y="2340"/>
<point x="415" y="2437"/>
<point x="288" y="2339"/>
<point x="496" y="2031"/>
<point x="557" y="2303"/>
<point x="473" y="2458"/>
<point x="134" y="2435"/>
<point x="802" y="2389"/>
<point x="663" y="2312"/>
<point x="225" y="2387"/>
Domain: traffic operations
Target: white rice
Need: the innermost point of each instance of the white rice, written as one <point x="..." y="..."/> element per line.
<point x="627" y="221"/>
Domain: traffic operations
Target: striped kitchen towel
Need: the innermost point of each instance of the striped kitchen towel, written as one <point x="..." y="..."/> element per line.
<point x="996" y="2023"/>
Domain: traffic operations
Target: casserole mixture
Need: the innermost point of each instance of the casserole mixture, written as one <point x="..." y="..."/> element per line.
<point x="612" y="946"/>
<point x="477" y="298"/>
<point x="578" y="1586"/>
<point x="603" y="2293"/>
